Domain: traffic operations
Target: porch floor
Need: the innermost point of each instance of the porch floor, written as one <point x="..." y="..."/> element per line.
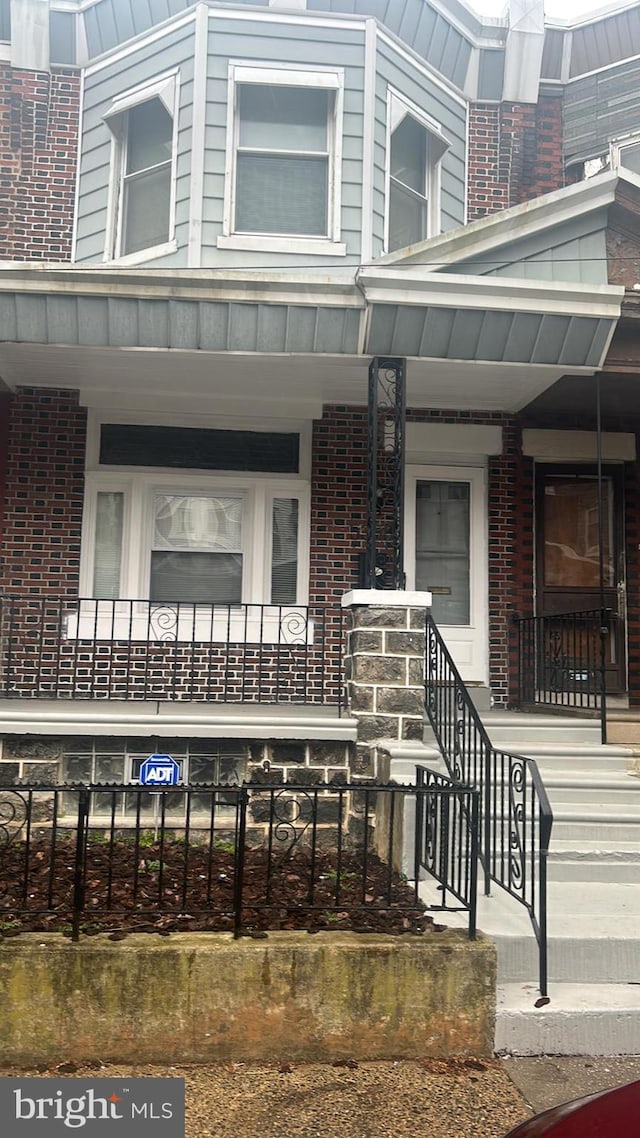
<point x="174" y="719"/>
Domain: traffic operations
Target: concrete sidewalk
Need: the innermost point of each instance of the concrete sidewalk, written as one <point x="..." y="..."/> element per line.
<point x="549" y="1080"/>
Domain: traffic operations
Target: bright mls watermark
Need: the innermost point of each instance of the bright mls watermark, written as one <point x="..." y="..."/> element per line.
<point x="121" y="1108"/>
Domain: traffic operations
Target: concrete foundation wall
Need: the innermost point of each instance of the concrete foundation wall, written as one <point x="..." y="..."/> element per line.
<point x="205" y="997"/>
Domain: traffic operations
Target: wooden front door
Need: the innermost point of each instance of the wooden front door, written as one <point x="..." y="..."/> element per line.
<point x="568" y="551"/>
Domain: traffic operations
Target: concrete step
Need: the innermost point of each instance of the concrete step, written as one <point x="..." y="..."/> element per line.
<point x="581" y="861"/>
<point x="591" y="1019"/>
<point x="610" y="830"/>
<point x="543" y="732"/>
<point x="564" y="786"/>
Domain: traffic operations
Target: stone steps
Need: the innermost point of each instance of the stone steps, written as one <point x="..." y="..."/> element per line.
<point x="593" y="897"/>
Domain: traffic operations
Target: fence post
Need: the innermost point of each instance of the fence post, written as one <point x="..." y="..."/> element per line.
<point x="84" y="798"/>
<point x="489" y="774"/>
<point x="238" y="884"/>
<point x="473" y="869"/>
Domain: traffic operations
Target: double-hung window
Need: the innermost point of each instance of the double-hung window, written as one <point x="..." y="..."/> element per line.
<point x="283" y="158"/>
<point x="142" y="123"/>
<point x="415" y="147"/>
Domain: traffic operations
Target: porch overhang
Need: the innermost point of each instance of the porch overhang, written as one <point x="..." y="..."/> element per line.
<point x="470" y="342"/>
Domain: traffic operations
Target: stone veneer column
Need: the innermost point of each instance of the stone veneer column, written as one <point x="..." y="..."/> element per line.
<point x="384" y="669"/>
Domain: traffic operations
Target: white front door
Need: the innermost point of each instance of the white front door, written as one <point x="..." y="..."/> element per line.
<point x="446" y="553"/>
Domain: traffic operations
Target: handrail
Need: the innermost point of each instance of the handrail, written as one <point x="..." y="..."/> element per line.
<point x="516" y="816"/>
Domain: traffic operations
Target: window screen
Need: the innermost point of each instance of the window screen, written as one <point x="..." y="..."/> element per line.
<point x="197" y="549"/>
<point x="147" y="177"/>
<point x="408" y="215"/>
<point x="282" y="164"/>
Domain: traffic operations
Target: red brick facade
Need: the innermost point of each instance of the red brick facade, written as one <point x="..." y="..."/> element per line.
<point x="39" y="121"/>
<point x="44" y="494"/>
<point x="44" y="499"/>
<point x="515" y="153"/>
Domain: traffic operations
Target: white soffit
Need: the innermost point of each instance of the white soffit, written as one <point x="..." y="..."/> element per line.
<point x="578" y="446"/>
<point x="425" y="439"/>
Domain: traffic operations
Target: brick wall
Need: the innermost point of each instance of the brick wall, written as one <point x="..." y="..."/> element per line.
<point x="44" y="498"/>
<point x="515" y="153"/>
<point x="39" y="121"/>
<point x="338" y="520"/>
<point x="44" y="493"/>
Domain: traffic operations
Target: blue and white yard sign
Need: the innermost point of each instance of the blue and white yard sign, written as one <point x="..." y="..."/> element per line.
<point x="159" y="770"/>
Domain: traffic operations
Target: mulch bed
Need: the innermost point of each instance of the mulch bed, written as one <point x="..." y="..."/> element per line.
<point x="174" y="889"/>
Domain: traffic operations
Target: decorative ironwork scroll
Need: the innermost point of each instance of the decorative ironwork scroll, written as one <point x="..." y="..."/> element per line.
<point x="13" y="815"/>
<point x="384" y="557"/>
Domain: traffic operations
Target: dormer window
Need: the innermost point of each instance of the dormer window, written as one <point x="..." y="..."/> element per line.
<point x="415" y="147"/>
<point x="142" y="123"/>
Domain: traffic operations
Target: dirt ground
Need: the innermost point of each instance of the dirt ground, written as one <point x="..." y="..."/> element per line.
<point x="467" y="1098"/>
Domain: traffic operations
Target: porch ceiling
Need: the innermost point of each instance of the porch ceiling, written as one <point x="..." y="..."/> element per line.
<point x="243" y="384"/>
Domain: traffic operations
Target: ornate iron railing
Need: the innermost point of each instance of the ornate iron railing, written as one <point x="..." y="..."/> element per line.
<point x="516" y="817"/>
<point x="67" y="648"/>
<point x="118" y="859"/>
<point x="562" y="661"/>
<point x="447" y="841"/>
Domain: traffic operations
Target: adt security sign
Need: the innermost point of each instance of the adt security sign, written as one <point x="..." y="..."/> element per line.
<point x="159" y="770"/>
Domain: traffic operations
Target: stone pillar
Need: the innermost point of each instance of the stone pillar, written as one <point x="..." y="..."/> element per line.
<point x="384" y="669"/>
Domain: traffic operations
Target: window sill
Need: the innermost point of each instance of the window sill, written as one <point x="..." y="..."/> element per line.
<point x="144" y="255"/>
<point x="309" y="246"/>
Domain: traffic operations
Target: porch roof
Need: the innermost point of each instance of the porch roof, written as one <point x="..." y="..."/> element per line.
<point x="384" y="310"/>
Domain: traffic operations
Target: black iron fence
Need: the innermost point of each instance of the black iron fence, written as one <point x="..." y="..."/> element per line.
<point x="562" y="660"/>
<point x="447" y="836"/>
<point x="118" y="859"/>
<point x="515" y="814"/>
<point x="66" y="648"/>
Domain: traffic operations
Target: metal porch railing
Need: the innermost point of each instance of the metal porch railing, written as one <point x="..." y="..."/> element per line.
<point x="562" y="661"/>
<point x="69" y="648"/>
<point x="516" y="817"/>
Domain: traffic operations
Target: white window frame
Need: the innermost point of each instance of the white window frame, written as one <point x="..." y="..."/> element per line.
<point x="617" y="149"/>
<point x="140" y="484"/>
<point x="398" y="105"/>
<point x="165" y="87"/>
<point x="321" y="79"/>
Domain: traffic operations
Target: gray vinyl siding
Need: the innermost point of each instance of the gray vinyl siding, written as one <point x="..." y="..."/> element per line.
<point x="426" y="30"/>
<point x="113" y="22"/>
<point x="420" y="26"/>
<point x="605" y="41"/>
<point x="578" y="255"/>
<point x="430" y="96"/>
<point x="599" y="108"/>
<point x="276" y="44"/>
<point x="175" y="49"/>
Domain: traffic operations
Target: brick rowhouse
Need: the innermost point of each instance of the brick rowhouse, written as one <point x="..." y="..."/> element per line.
<point x="39" y="123"/>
